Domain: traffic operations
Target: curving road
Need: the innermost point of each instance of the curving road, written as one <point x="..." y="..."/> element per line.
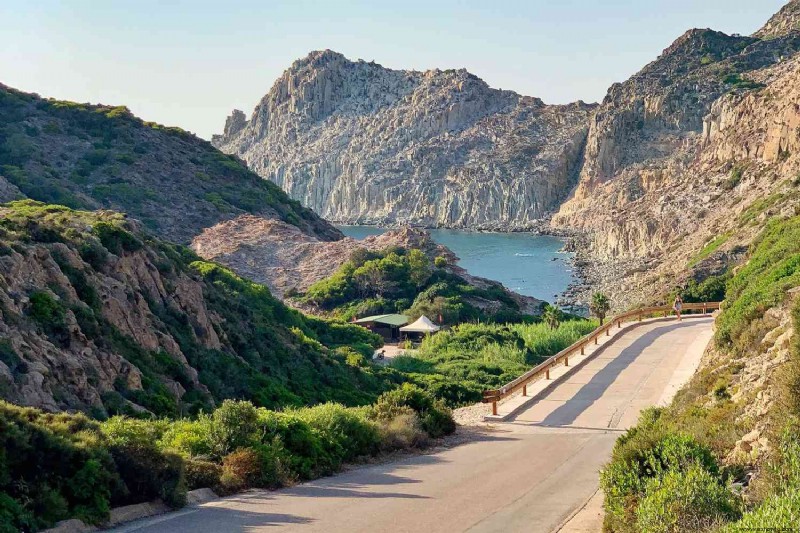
<point x="529" y="474"/>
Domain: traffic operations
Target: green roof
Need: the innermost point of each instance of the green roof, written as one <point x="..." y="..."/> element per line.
<point x="391" y="320"/>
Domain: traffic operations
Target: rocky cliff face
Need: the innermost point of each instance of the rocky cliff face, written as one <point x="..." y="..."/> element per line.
<point x="360" y="143"/>
<point x="688" y="158"/>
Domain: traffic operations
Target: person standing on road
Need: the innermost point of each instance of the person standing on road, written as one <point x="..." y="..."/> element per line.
<point x="677" y="305"/>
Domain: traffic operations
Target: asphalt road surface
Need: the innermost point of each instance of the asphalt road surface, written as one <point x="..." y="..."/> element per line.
<point x="528" y="474"/>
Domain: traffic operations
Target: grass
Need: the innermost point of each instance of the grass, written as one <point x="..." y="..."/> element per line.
<point x="459" y="364"/>
<point x="710" y="248"/>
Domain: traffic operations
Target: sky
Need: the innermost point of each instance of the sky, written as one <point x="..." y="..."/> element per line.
<point x="189" y="63"/>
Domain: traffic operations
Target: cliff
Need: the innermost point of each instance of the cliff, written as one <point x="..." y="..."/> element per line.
<point x="359" y="143"/>
<point x="686" y="160"/>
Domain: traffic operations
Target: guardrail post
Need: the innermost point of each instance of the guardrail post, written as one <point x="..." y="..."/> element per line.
<point x="494" y="408"/>
<point x="705" y="311"/>
<point x="525" y="390"/>
<point x="619" y="323"/>
<point x="607" y="332"/>
<point x="566" y="361"/>
<point x="582" y="348"/>
<point x="595" y="340"/>
<point x="547" y="373"/>
<point x="640" y="316"/>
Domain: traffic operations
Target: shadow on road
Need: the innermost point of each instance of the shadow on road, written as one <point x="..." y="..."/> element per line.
<point x="566" y="414"/>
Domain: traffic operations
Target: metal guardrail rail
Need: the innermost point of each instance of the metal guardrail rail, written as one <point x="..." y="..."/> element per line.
<point x="543" y="369"/>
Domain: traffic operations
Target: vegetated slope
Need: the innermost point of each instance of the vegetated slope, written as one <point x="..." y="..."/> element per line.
<point x="92" y="156"/>
<point x="406" y="280"/>
<point x="289" y="262"/>
<point x="678" y="153"/>
<point x="734" y="427"/>
<point x="361" y="143"/>
<point x="96" y="315"/>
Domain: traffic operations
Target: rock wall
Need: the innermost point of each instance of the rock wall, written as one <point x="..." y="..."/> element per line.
<point x="359" y="143"/>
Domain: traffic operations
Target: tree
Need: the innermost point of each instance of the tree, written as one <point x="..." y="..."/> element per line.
<point x="599" y="306"/>
<point x="552" y="316"/>
<point x="419" y="267"/>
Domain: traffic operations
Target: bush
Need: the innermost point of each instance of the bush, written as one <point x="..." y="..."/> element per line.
<point x="440" y="262"/>
<point x="202" y="474"/>
<point x="191" y="438"/>
<point x="307" y="455"/>
<point x="685" y="501"/>
<point x="435" y="418"/>
<point x="241" y="469"/>
<point x="149" y="474"/>
<point x="645" y="452"/>
<point x="233" y="426"/>
<point x="777" y="513"/>
<point x="346" y="433"/>
<point x="402" y="431"/>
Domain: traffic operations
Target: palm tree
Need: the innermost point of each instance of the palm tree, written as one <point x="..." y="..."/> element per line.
<point x="552" y="316"/>
<point x="599" y="306"/>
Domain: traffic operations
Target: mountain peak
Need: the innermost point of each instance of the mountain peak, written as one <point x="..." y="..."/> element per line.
<point x="784" y="21"/>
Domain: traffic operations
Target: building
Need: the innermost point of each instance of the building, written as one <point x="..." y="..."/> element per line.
<point x="387" y="326"/>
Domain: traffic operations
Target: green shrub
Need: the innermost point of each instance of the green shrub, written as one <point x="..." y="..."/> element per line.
<point x="777" y="513"/>
<point x="307" y="455"/>
<point x="116" y="239"/>
<point x="191" y="438"/>
<point x="684" y="501"/>
<point x="202" y="474"/>
<point x="440" y="262"/>
<point x="149" y="474"/>
<point x="646" y="452"/>
<point x="50" y="315"/>
<point x="233" y="426"/>
<point x="346" y="434"/>
<point x="435" y="418"/>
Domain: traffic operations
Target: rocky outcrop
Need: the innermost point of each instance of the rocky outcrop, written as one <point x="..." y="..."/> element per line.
<point x="360" y="143"/>
<point x="783" y="22"/>
<point x="289" y="261"/>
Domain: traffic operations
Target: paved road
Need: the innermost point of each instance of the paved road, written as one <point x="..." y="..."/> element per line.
<point x="526" y="475"/>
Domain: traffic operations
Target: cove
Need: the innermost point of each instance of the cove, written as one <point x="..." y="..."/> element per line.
<point x="528" y="264"/>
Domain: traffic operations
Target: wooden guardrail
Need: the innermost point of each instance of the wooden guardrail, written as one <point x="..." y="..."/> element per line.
<point x="543" y="369"/>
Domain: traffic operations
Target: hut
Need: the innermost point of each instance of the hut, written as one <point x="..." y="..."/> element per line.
<point x="387" y="326"/>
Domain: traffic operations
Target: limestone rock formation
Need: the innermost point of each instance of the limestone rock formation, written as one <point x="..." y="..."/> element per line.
<point x="360" y="143"/>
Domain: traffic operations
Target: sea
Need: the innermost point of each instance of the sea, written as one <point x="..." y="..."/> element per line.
<point x="529" y="264"/>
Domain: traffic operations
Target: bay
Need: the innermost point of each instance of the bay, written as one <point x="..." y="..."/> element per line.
<point x="528" y="264"/>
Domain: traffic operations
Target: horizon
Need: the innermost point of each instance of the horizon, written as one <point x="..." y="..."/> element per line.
<point x="176" y="68"/>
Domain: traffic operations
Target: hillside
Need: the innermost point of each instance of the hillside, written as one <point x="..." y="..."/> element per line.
<point x="96" y="315"/>
<point x="724" y="455"/>
<point x="101" y="157"/>
<point x="360" y="143"/>
<point x="687" y="160"/>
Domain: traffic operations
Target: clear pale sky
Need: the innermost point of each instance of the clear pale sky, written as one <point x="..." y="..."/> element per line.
<point x="189" y="63"/>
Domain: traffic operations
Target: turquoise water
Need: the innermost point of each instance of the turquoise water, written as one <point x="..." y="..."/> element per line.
<point x="523" y="262"/>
